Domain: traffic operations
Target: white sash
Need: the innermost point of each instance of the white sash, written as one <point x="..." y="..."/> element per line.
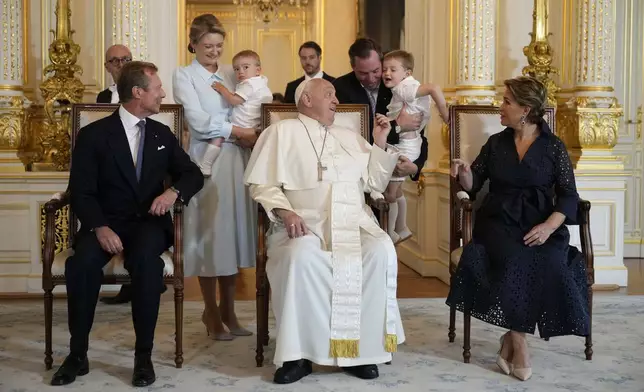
<point x="346" y="220"/>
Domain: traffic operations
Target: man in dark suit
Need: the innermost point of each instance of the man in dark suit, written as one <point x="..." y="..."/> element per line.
<point x="116" y="57"/>
<point x="363" y="85"/>
<point x="119" y="165"/>
<point x="310" y="57"/>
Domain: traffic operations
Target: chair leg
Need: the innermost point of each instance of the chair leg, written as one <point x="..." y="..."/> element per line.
<point x="259" y="305"/>
<point x="466" y="337"/>
<point x="178" y="319"/>
<point x="49" y="304"/>
<point x="452" y="323"/>
<point x="589" y="338"/>
<point x="266" y="310"/>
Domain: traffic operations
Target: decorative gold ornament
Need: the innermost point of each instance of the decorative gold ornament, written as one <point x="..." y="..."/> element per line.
<point x="61" y="229"/>
<point x="420" y="185"/>
<point x="444" y="163"/>
<point x="478" y="100"/>
<point x="581" y="124"/>
<point x="12" y="120"/>
<point x="268" y="10"/>
<point x="540" y="53"/>
<point x="60" y="90"/>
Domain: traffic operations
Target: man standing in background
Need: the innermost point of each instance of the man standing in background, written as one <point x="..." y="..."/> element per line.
<point x="115" y="58"/>
<point x="310" y="57"/>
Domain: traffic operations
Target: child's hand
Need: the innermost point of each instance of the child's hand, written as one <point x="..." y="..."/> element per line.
<point x="218" y="87"/>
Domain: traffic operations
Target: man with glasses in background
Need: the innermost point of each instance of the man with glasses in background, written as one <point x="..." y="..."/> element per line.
<point x="115" y="58"/>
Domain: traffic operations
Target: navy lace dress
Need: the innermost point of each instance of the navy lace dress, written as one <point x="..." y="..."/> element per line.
<point x="499" y="279"/>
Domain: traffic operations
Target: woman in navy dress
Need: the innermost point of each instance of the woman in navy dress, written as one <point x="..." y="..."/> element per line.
<point x="519" y="270"/>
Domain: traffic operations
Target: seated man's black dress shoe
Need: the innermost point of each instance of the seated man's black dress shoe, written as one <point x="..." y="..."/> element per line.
<point x="72" y="367"/>
<point x="292" y="371"/>
<point x="365" y="372"/>
<point x="143" y="371"/>
<point x="124" y="295"/>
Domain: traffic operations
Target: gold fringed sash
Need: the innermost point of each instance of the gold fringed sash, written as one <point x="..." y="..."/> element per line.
<point x="391" y="343"/>
<point x="344" y="348"/>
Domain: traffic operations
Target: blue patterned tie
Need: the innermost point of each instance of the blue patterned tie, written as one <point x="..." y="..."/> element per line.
<point x="139" y="154"/>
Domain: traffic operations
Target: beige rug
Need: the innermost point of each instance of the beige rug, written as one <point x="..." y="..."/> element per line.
<point x="426" y="362"/>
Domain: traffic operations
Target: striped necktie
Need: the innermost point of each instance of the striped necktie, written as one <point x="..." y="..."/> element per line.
<point x="372" y="100"/>
<point x="139" y="154"/>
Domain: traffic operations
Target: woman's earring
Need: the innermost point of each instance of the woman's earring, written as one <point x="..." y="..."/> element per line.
<point x="522" y="120"/>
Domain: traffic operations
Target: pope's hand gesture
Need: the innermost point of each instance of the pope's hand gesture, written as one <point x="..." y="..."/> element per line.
<point x="381" y="129"/>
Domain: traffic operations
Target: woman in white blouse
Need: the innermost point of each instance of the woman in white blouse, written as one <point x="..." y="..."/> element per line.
<point x="220" y="221"/>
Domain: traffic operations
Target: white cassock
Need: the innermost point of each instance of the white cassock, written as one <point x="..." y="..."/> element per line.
<point x="333" y="290"/>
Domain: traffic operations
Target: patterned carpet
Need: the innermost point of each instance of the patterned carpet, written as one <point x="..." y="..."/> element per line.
<point x="426" y="362"/>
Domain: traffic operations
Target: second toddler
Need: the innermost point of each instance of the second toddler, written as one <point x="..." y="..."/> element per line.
<point x="406" y="91"/>
<point x="251" y="91"/>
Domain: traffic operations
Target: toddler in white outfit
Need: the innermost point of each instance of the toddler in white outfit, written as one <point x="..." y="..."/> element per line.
<point x="251" y="91"/>
<point x="406" y="91"/>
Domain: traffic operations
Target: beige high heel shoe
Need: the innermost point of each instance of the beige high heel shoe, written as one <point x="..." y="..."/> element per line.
<point x="501" y="362"/>
<point x="225" y="336"/>
<point x="522" y="374"/>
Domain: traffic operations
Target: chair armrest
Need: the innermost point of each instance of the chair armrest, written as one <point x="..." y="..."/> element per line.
<point x="263" y="224"/>
<point x="583" y="218"/>
<point x="381" y="205"/>
<point x="54" y="205"/>
<point x="461" y="202"/>
<point x="583" y="211"/>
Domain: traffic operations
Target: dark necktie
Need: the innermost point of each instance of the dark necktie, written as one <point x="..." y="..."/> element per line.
<point x="139" y="154"/>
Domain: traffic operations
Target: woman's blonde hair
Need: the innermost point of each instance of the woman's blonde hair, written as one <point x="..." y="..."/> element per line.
<point x="531" y="93"/>
<point x="202" y="25"/>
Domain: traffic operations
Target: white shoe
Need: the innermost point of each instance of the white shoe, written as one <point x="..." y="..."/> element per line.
<point x="395" y="238"/>
<point x="208" y="159"/>
<point x="404" y="235"/>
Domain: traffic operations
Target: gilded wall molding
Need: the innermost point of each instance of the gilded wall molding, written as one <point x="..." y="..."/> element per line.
<point x="590" y="119"/>
<point x="476" y="51"/>
<point x="595" y="43"/>
<point x="130" y="26"/>
<point x="12" y="121"/>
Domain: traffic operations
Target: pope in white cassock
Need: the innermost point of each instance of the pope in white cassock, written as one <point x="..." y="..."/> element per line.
<point x="332" y="270"/>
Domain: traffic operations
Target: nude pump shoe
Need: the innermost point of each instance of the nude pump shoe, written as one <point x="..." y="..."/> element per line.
<point x="522" y="374"/>
<point x="501" y="362"/>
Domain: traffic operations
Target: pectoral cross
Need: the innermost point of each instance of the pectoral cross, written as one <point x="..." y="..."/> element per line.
<point x="320" y="170"/>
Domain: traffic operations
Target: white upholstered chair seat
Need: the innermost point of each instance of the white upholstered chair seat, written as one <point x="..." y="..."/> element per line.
<point x="456" y="254"/>
<point x="114" y="267"/>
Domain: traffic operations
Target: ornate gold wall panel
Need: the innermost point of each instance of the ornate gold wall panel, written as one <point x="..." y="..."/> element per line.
<point x="129" y="25"/>
<point x="13" y="79"/>
<point x="12" y="119"/>
<point x="476" y="51"/>
<point x="629" y="89"/>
